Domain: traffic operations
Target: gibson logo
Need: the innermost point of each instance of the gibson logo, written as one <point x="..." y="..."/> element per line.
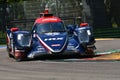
<point x="52" y="39"/>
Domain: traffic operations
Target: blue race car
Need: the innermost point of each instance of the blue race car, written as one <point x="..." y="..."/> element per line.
<point x="50" y="37"/>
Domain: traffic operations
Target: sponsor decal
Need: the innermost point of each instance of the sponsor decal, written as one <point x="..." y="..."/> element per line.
<point x="48" y="47"/>
<point x="49" y="19"/>
<point x="53" y="39"/>
<point x="55" y="45"/>
<point x="41" y="49"/>
<point x="52" y="34"/>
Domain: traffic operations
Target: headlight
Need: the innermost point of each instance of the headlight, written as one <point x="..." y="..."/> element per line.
<point x="19" y="37"/>
<point x="83" y="35"/>
<point x="24" y="39"/>
<point x="89" y="32"/>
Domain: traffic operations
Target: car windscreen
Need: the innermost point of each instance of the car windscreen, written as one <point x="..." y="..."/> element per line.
<point x="50" y="27"/>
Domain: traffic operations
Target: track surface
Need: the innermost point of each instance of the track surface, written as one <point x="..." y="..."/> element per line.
<point x="71" y="69"/>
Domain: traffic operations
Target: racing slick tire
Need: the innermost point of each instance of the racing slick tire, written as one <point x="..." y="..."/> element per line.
<point x="18" y="59"/>
<point x="10" y="55"/>
<point x="8" y="51"/>
<point x="90" y="51"/>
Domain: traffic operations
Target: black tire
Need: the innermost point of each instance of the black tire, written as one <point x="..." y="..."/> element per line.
<point x="10" y="55"/>
<point x="8" y="50"/>
<point x="90" y="51"/>
<point x="18" y="59"/>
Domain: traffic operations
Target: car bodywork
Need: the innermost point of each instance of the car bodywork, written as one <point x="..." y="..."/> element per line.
<point x="49" y="36"/>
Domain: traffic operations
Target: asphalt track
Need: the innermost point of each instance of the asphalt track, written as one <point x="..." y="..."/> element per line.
<point x="107" y="45"/>
<point x="64" y="69"/>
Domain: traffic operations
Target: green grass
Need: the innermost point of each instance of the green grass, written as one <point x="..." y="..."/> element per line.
<point x="2" y="37"/>
<point x="107" y="33"/>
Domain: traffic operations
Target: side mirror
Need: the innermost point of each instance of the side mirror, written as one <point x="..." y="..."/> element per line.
<point x="70" y="29"/>
<point x="84" y="24"/>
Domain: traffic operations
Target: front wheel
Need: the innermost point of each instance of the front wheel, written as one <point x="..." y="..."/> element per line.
<point x="20" y="56"/>
<point x="90" y="51"/>
<point x="10" y="55"/>
<point x="9" y="51"/>
<point x="18" y="59"/>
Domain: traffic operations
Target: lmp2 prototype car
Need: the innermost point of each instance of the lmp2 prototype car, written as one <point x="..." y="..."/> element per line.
<point x="49" y="36"/>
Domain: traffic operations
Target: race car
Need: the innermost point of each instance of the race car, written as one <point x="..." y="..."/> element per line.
<point x="50" y="37"/>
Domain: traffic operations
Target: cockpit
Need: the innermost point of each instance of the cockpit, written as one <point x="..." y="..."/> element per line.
<point x="50" y="27"/>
